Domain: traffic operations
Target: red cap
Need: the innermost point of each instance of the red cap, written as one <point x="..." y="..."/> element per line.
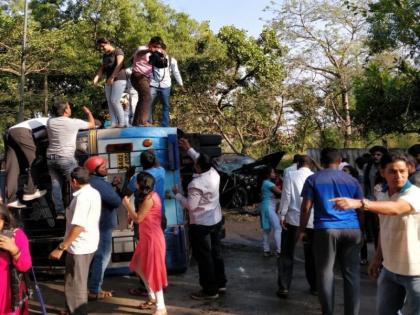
<point x="93" y="163"/>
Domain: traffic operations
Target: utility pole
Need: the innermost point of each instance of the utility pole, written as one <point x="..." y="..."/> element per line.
<point x="23" y="64"/>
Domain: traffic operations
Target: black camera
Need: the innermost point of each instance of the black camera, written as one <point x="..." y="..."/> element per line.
<point x="8" y="233"/>
<point x="158" y="60"/>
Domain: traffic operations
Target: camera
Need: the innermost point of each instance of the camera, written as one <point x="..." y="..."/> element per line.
<point x="158" y="60"/>
<point x="8" y="233"/>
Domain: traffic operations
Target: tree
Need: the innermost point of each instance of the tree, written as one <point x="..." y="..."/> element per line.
<point x="235" y="81"/>
<point x="326" y="47"/>
<point x="394" y="24"/>
<point x="388" y="93"/>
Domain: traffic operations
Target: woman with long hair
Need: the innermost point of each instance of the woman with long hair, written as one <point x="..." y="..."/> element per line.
<point x="270" y="221"/>
<point x="149" y="256"/>
<point x="116" y="80"/>
<point x="14" y="260"/>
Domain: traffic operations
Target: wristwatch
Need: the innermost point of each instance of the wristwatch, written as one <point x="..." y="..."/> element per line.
<point x="365" y="204"/>
<point x="62" y="247"/>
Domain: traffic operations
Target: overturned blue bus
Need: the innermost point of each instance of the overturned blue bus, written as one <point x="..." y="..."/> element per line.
<point x="122" y="148"/>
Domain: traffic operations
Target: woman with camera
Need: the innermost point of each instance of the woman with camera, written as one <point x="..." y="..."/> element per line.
<point x="15" y="259"/>
<point x="116" y="80"/>
<point x="143" y="60"/>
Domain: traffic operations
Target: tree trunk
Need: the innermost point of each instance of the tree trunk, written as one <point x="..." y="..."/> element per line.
<point x="46" y="95"/>
<point x="347" y="130"/>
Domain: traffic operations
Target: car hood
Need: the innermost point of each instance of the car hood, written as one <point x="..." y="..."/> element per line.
<point x="271" y="159"/>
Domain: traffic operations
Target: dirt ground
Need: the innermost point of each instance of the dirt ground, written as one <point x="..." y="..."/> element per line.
<point x="250" y="290"/>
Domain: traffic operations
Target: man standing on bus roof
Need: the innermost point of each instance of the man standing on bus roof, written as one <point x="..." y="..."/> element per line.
<point x="62" y="134"/>
<point x="98" y="170"/>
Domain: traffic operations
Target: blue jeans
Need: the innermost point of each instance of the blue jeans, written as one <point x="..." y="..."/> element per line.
<point x="393" y="290"/>
<point x="113" y="95"/>
<point x="100" y="261"/>
<point x="343" y="245"/>
<point x="60" y="169"/>
<point x="163" y="94"/>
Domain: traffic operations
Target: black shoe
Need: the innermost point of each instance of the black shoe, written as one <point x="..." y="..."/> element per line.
<point x="201" y="295"/>
<point x="222" y="290"/>
<point x="282" y="293"/>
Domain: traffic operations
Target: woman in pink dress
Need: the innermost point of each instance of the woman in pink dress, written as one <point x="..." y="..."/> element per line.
<point x="149" y="256"/>
<point x="14" y="249"/>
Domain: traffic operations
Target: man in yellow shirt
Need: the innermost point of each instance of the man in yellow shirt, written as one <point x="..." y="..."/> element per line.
<point x="398" y="207"/>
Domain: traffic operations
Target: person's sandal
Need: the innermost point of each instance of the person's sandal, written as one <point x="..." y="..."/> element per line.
<point x="100" y="296"/>
<point x="147" y="305"/>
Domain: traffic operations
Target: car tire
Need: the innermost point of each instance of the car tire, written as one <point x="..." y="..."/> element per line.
<point x="239" y="198"/>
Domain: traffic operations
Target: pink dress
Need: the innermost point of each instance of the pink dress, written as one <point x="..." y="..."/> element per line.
<point x="23" y="264"/>
<point x="149" y="255"/>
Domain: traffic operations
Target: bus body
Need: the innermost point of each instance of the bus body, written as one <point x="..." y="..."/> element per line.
<point x="122" y="148"/>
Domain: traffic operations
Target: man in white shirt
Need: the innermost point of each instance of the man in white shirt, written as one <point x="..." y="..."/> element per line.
<point x="62" y="134"/>
<point x="80" y="240"/>
<point x="21" y="153"/>
<point x="160" y="86"/>
<point x="290" y="205"/>
<point x="292" y="167"/>
<point x="206" y="224"/>
<point x="398" y="207"/>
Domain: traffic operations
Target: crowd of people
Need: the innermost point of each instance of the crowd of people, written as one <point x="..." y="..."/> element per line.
<point x="335" y="209"/>
<point x="91" y="216"/>
<point x="132" y="92"/>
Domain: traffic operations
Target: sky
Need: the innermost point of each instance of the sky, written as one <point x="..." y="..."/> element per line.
<point x="244" y="14"/>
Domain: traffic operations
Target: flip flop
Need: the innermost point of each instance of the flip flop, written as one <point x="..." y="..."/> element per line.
<point x="147" y="305"/>
<point x="100" y="296"/>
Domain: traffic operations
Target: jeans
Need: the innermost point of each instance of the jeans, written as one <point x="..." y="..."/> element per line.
<point x="163" y="94"/>
<point x="142" y="85"/>
<point x="393" y="290"/>
<point x="207" y="251"/>
<point x="133" y="99"/>
<point x="276" y="228"/>
<point x="100" y="261"/>
<point x="113" y="95"/>
<point x="344" y="245"/>
<point x="60" y="169"/>
<point x="21" y="153"/>
<point x="285" y="261"/>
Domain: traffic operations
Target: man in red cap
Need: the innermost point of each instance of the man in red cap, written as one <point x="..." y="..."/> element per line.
<point x="98" y="169"/>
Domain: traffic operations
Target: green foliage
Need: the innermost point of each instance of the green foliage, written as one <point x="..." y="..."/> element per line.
<point x="234" y="81"/>
<point x="395" y="24"/>
<point x="388" y="101"/>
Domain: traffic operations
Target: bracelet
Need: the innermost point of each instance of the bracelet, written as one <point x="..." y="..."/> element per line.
<point x="17" y="253"/>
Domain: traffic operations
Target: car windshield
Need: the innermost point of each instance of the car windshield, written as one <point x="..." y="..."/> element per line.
<point x="230" y="162"/>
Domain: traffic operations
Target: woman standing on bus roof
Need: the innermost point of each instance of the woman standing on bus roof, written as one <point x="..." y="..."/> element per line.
<point x="149" y="256"/>
<point x="116" y="80"/>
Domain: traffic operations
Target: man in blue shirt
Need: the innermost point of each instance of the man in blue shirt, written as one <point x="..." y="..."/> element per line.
<point x="150" y="165"/>
<point x="98" y="169"/>
<point x="337" y="235"/>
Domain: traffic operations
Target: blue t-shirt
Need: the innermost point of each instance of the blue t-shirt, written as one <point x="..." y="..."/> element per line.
<point x="325" y="185"/>
<point x="159" y="175"/>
